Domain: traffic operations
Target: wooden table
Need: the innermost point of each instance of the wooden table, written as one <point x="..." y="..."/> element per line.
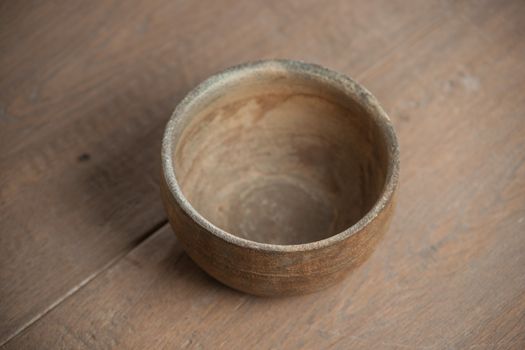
<point x="87" y="259"/>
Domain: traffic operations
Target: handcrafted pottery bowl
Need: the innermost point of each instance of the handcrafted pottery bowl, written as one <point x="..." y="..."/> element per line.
<point x="279" y="176"/>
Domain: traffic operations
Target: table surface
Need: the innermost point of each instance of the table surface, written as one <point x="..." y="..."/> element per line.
<point x="87" y="259"/>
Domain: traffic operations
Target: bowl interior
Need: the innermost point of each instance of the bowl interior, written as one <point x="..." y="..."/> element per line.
<point x="279" y="157"/>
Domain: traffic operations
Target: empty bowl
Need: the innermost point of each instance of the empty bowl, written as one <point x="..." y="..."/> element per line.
<point x="279" y="176"/>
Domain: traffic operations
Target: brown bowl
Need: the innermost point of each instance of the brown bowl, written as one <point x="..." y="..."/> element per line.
<point x="279" y="176"/>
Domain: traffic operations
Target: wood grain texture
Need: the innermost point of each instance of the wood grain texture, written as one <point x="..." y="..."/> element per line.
<point x="86" y="88"/>
<point x="98" y="81"/>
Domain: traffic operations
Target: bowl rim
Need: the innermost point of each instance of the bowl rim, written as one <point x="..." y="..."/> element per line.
<point x="345" y="84"/>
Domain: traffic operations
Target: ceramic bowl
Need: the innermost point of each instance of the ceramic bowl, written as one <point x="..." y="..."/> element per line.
<point x="279" y="176"/>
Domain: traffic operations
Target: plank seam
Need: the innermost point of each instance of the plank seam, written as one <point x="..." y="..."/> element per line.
<point x="135" y="244"/>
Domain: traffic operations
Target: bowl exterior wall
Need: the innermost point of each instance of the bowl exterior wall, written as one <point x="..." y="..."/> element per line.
<point x="274" y="273"/>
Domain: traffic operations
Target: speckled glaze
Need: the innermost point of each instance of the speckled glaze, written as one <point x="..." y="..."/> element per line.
<point x="276" y="269"/>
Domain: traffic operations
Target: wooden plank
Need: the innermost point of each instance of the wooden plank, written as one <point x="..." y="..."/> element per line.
<point x="85" y="89"/>
<point x="449" y="274"/>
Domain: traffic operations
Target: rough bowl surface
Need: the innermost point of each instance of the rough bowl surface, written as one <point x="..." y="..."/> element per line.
<point x="279" y="176"/>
